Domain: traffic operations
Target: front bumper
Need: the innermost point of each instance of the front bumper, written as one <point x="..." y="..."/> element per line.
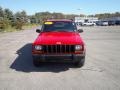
<point x="59" y="57"/>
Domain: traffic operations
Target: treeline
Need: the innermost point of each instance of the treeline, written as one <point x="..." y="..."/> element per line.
<point x="9" y="19"/>
<point x="106" y="15"/>
<point x="41" y="16"/>
<point x="18" y="19"/>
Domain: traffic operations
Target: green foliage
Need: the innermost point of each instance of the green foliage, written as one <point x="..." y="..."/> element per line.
<point x="4" y="24"/>
<point x="8" y="14"/>
<point x="107" y="15"/>
<point x="41" y="16"/>
<point x="10" y="20"/>
<point x="1" y="12"/>
<point x="19" y="24"/>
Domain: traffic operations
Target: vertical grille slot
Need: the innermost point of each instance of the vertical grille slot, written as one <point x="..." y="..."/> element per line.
<point x="58" y="48"/>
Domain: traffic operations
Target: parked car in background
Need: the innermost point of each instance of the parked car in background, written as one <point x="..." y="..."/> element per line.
<point x="102" y="23"/>
<point x="111" y="23"/>
<point x="79" y="23"/>
<point x="88" y="24"/>
<point x="117" y="22"/>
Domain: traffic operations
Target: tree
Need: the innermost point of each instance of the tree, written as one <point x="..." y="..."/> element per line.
<point x="24" y="16"/>
<point x="117" y="14"/>
<point x="107" y="15"/>
<point x="1" y="12"/>
<point x="58" y="15"/>
<point x="20" y="19"/>
<point x="8" y="14"/>
<point x="4" y="23"/>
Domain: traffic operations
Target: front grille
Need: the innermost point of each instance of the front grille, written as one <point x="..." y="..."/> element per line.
<point x="58" y="48"/>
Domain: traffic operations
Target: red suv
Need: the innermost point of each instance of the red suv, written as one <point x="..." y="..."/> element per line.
<point x="59" y="41"/>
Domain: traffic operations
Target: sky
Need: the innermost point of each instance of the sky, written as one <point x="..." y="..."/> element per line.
<point x="87" y="7"/>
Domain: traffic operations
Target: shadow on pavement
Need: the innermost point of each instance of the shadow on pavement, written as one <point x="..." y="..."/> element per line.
<point x="24" y="63"/>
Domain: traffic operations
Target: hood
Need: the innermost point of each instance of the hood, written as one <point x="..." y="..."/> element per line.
<point x="52" y="38"/>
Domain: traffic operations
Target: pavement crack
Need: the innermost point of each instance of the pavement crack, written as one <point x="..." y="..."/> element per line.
<point x="91" y="69"/>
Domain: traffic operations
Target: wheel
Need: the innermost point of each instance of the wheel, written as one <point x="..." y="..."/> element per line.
<point x="80" y="63"/>
<point x="36" y="63"/>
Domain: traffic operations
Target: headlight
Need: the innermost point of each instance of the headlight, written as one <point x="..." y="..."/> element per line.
<point x="38" y="47"/>
<point x="78" y="47"/>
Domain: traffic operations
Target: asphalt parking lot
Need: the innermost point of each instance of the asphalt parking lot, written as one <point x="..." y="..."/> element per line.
<point x="101" y="70"/>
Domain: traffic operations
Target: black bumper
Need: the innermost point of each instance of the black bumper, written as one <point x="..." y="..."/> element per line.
<point x="59" y="58"/>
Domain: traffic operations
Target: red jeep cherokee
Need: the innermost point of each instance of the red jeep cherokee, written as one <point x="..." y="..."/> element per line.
<point x="58" y="41"/>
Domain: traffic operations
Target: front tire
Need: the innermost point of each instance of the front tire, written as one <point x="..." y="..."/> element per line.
<point x="36" y="63"/>
<point x="80" y="63"/>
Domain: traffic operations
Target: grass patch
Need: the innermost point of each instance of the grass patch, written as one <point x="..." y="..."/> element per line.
<point x="8" y="29"/>
<point x="13" y="29"/>
<point x="30" y="26"/>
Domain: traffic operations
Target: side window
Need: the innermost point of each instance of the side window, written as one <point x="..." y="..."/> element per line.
<point x="75" y="26"/>
<point x="42" y="27"/>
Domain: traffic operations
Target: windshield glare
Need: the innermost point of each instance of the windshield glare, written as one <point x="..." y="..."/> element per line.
<point x="59" y="26"/>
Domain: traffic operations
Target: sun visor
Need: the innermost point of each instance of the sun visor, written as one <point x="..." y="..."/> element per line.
<point x="48" y="23"/>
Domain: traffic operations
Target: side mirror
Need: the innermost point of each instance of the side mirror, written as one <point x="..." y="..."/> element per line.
<point x="80" y="30"/>
<point x="38" y="30"/>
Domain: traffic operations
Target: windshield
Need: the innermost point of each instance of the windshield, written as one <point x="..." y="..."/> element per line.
<point x="59" y="26"/>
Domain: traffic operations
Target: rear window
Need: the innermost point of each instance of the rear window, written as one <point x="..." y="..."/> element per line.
<point x="59" y="26"/>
